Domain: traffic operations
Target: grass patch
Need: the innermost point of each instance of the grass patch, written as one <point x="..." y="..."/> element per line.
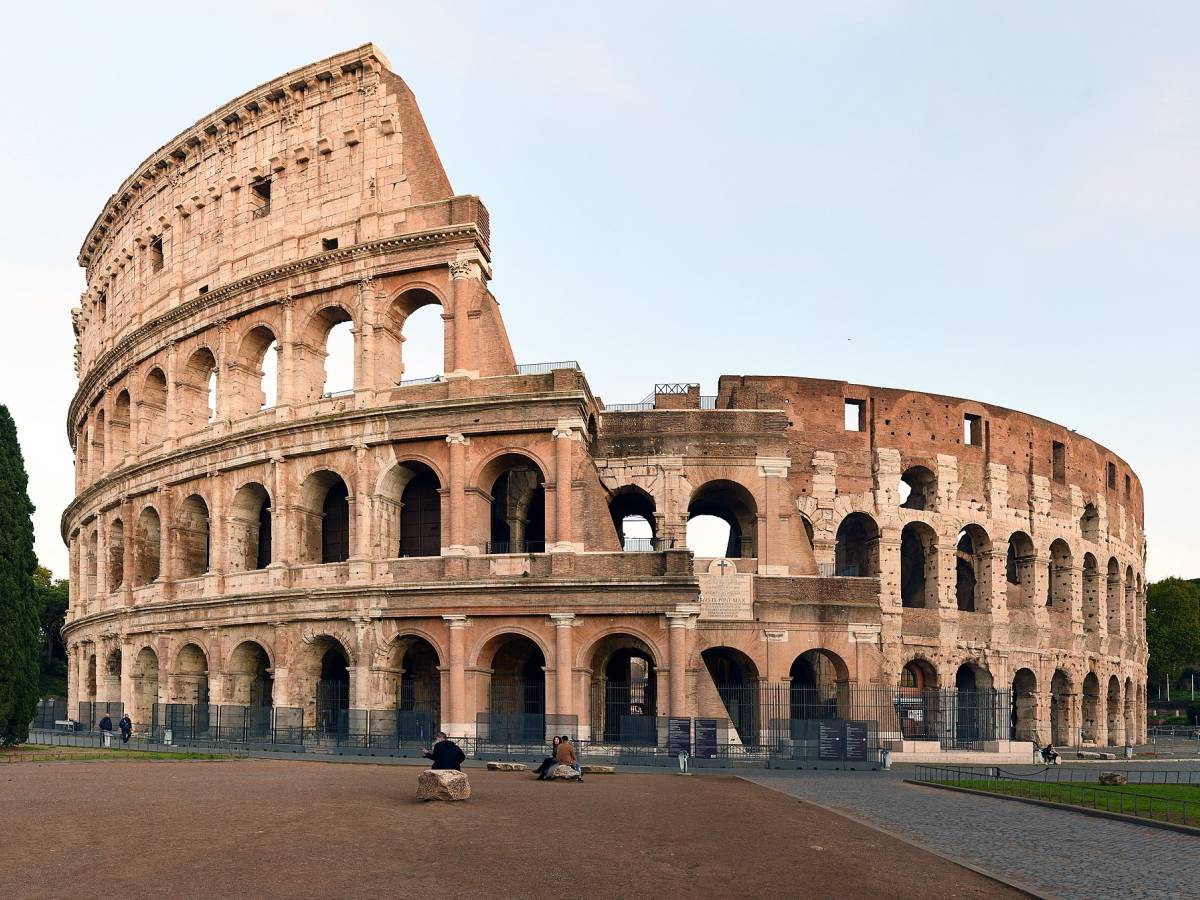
<point x="1178" y="803"/>
<point x="47" y="753"/>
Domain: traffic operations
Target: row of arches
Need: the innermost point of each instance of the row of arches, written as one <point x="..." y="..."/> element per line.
<point x="209" y="385"/>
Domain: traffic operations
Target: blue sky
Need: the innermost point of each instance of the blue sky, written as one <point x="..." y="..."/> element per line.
<point x="992" y="200"/>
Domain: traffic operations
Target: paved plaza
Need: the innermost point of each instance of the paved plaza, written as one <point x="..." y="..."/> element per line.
<point x="1047" y="851"/>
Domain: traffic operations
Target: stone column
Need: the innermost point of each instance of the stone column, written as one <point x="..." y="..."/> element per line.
<point x="102" y="585"/>
<point x="171" y="413"/>
<point x="286" y="390"/>
<point x="458" y="495"/>
<point x="463" y="278"/>
<point x="281" y="536"/>
<point x="677" y="625"/>
<point x="72" y="678"/>
<point x="457" y="724"/>
<point x="128" y="556"/>
<point x="566" y="435"/>
<point x="563" y="659"/>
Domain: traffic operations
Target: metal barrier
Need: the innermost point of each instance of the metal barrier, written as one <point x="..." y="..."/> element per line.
<point x="546" y="367"/>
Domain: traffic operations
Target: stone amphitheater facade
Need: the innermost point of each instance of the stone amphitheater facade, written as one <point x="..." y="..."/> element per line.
<point x="431" y="540"/>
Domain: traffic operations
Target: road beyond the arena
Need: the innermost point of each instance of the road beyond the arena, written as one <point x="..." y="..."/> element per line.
<point x="270" y="828"/>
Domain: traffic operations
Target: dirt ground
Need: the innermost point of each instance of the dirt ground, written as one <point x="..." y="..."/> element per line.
<point x="268" y="828"/>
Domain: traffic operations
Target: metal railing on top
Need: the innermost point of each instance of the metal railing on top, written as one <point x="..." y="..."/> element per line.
<point x="431" y="379"/>
<point x="648" y="545"/>
<point x="516" y="546"/>
<point x="546" y="367"/>
<point x="629" y="407"/>
<point x="330" y="394"/>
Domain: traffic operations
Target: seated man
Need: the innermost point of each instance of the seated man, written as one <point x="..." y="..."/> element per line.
<point x="445" y="754"/>
<point x="565" y="755"/>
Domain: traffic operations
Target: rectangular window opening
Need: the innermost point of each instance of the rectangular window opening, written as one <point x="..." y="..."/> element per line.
<point x="1112" y="475"/>
<point x="328" y="244"/>
<point x="1060" y="461"/>
<point x="204" y="288"/>
<point x="260" y="192"/>
<point x="973" y="430"/>
<point x="1128" y="487"/>
<point x="856" y="415"/>
<point x="156" y="254"/>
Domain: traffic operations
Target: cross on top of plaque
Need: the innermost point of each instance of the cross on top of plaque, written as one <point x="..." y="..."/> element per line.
<point x="723" y="565"/>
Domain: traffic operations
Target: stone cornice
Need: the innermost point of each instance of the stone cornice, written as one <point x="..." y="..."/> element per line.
<point x="225" y="120"/>
<point x="429" y="238"/>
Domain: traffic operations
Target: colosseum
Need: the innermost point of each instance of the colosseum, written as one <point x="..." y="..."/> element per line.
<point x="495" y="549"/>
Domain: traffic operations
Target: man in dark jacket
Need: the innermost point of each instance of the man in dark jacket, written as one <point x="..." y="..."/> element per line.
<point x="126" y="725"/>
<point x="106" y="724"/>
<point x="445" y="754"/>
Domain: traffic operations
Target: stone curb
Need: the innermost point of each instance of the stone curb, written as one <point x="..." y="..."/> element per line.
<point x="1095" y="813"/>
<point x="875" y="826"/>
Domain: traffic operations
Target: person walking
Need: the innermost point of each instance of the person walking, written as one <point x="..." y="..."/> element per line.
<point x="445" y="754"/>
<point x="550" y="761"/>
<point x="126" y="726"/>
<point x="105" y="731"/>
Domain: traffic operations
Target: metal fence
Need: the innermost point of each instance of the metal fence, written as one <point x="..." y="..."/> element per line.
<point x="49" y="712"/>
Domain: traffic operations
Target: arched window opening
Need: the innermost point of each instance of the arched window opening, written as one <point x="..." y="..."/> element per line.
<point x="410" y="507"/>
<point x="1059" y="590"/>
<point x="1089" y="524"/>
<point x="250" y="529"/>
<point x="189" y="684"/>
<point x="416" y="688"/>
<point x="857" y="549"/>
<point x="517" y="692"/>
<point x="152" y="408"/>
<point x="250" y="684"/>
<point x="1115" y="719"/>
<point x="99" y="446"/>
<point x="333" y="689"/>
<point x="918" y="488"/>
<point x="918" y="566"/>
<point x="1091" y="593"/>
<point x="116" y="555"/>
<point x="818" y="679"/>
<point x="736" y="678"/>
<point x="624" y="692"/>
<point x="269" y="384"/>
<point x="120" y="428"/>
<point x="632" y="512"/>
<point x="1113" y="596"/>
<point x="324" y="509"/>
<point x="971" y="570"/>
<point x="256" y="376"/>
<point x="518" y="509"/>
<point x="417" y="317"/>
<point x="339" y="360"/>
<point x="1060" y="709"/>
<point x="192" y="537"/>
<point x="197" y="390"/>
<point x="145" y="687"/>
<point x="974" y="707"/>
<point x="1090" y="732"/>
<point x="1024" y="707"/>
<point x="148" y="545"/>
<point x="1019" y="571"/>
<point x="732" y="504"/>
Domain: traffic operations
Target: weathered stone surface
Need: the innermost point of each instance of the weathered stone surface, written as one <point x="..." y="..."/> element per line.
<point x="598" y="770"/>
<point x="443" y="784"/>
<point x="563" y="773"/>
<point x="1095" y="754"/>
<point x="506" y="767"/>
<point x="1113" y="778"/>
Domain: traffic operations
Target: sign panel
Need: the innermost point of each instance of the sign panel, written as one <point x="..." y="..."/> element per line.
<point x="726" y="596"/>
<point x="679" y="735"/>
<point x="856" y="741"/>
<point x="706" y="738"/>
<point x="829" y="739"/>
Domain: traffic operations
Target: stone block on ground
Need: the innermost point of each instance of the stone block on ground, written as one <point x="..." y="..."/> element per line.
<point x="1113" y="778"/>
<point x="599" y="770"/>
<point x="563" y="773"/>
<point x="443" y="784"/>
<point x="1095" y="754"/>
<point x="506" y="767"/>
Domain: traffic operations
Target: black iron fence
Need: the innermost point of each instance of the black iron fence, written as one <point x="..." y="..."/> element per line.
<point x="50" y="712"/>
<point x="516" y="546"/>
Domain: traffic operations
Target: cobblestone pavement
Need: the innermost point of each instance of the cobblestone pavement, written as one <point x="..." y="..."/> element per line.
<point x="1051" y="852"/>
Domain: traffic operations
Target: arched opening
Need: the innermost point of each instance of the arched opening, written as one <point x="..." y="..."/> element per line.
<point x="857" y="548"/>
<point x="250" y="529"/>
<point x="332" y="700"/>
<point x="99" y="443"/>
<point x="918" y="675"/>
<point x="82" y="447"/>
<point x="1113" y="596"/>
<point x="145" y="687"/>
<point x="1019" y="570"/>
<point x="518" y="507"/>
<point x="324" y="511"/>
<point x="119" y="439"/>
<point x="147" y="547"/>
<point x="974" y="705"/>
<point x="414" y="685"/>
<point x="195" y="394"/>
<point x="249" y="684"/>
<point x="191" y="537"/>
<point x="736" y="678"/>
<point x="517" y="692"/>
<point x="1131" y="734"/>
<point x="1024" y="706"/>
<point x="972" y="574"/>
<point x="1089" y="524"/>
<point x="1091" y="594"/>
<point x="918" y="488"/>
<point x="1115" y="720"/>
<point x="410" y="511"/>
<point x="736" y="515"/>
<point x="624" y="692"/>
<point x="1130" y="603"/>
<point x="152" y="408"/>
<point x="416" y="319"/>
<point x="91" y="573"/>
<point x="918" y="566"/>
<point x="816" y="683"/>
<point x="190" y="681"/>
<point x="339" y="358"/>
<point x="116" y="555"/>
<point x="632" y="512"/>
<point x="89" y="681"/>
<point x="112" y="676"/>
<point x="326" y="366"/>
<point x="1058" y="595"/>
<point x="256" y="379"/>
<point x="1091" y="709"/>
<point x="1060" y="709"/>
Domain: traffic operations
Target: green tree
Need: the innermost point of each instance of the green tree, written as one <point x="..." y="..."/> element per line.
<point x="19" y="637"/>
<point x="52" y="594"/>
<point x="1172" y="627"/>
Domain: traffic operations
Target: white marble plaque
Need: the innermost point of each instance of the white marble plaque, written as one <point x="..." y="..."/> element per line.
<point x="726" y="596"/>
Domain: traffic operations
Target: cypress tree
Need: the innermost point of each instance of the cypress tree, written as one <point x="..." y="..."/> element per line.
<point x="19" y="641"/>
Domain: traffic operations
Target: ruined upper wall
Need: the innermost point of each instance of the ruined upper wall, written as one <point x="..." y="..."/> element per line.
<point x="347" y="157"/>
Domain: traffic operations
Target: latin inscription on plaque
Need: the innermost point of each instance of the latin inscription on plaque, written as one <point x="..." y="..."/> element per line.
<point x="726" y="596"/>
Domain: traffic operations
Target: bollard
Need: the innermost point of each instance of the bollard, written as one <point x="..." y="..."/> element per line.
<point x="885" y="759"/>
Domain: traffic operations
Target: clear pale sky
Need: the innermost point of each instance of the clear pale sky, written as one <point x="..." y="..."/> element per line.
<point x="991" y="200"/>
